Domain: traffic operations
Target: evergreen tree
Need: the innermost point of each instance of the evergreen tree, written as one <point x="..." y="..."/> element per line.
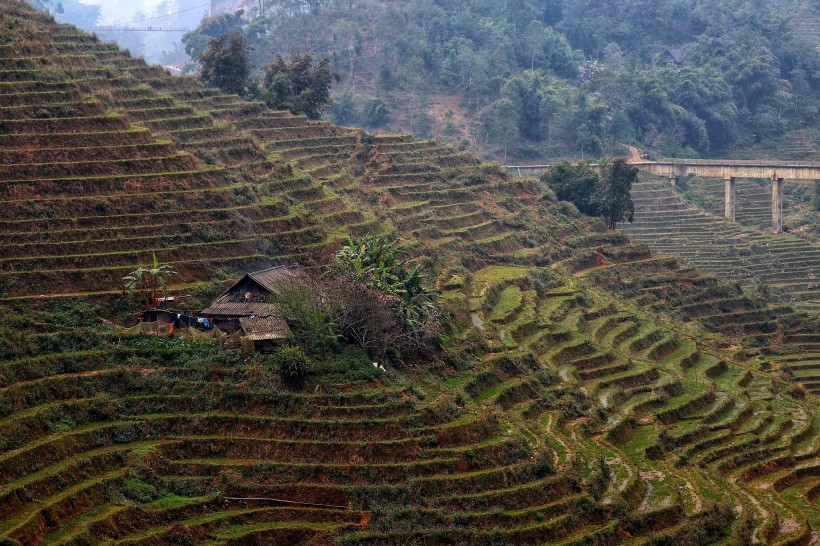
<point x="298" y="84"/>
<point x="225" y="64"/>
<point x="613" y="192"/>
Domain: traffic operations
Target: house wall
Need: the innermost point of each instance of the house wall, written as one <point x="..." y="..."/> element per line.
<point x="248" y="285"/>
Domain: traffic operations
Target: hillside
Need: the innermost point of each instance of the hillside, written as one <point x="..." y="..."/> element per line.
<point x="590" y="391"/>
<point x="528" y="82"/>
<point x="744" y="251"/>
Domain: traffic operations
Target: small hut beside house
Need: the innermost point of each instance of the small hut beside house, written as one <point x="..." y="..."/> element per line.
<point x="245" y="306"/>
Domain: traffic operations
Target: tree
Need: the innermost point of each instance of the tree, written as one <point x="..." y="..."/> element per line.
<point x="574" y="183"/>
<point x="380" y="264"/>
<point x="148" y="282"/>
<point x="196" y="42"/>
<point x="343" y="111"/>
<point x="551" y="105"/>
<point x="504" y="122"/>
<point x="386" y="80"/>
<point x="376" y="113"/>
<point x="298" y="84"/>
<point x="225" y="64"/>
<point x="613" y="192"/>
<point x="301" y="302"/>
<point x="817" y="195"/>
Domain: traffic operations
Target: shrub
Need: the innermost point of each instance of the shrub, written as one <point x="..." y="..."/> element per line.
<point x="138" y="491"/>
<point x="291" y="363"/>
<point x="544" y="466"/>
<point x="575" y="184"/>
<point x="798" y="392"/>
<point x="303" y="304"/>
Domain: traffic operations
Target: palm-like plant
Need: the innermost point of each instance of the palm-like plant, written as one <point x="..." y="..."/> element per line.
<point x="378" y="263"/>
<point x="149" y="282"/>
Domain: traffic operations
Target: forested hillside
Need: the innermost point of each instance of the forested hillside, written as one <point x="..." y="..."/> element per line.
<point x="526" y="80"/>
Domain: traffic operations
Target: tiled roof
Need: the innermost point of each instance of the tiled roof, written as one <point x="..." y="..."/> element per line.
<point x="221" y="307"/>
<point x="231" y="303"/>
<point x="270" y="278"/>
<point x="265" y="328"/>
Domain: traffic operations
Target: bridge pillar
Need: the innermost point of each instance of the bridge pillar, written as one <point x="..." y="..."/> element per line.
<point x="777" y="205"/>
<point x="729" y="201"/>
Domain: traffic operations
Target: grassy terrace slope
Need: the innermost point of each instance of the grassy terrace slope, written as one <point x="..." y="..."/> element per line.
<point x="104" y="161"/>
<point x="85" y="191"/>
<point x="614" y="397"/>
<point x="789" y="266"/>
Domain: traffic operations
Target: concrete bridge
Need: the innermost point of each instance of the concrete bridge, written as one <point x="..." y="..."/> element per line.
<point x="729" y="171"/>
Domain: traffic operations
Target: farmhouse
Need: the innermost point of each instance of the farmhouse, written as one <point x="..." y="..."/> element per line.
<point x="246" y="306"/>
<point x="672" y="57"/>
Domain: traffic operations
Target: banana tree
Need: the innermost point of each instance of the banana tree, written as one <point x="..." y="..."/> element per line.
<point x="148" y="282"/>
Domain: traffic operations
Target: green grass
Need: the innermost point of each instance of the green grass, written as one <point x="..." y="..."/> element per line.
<point x="643" y="437"/>
<point x="508" y="302"/>
<point x="456" y="382"/>
<point x="496" y="274"/>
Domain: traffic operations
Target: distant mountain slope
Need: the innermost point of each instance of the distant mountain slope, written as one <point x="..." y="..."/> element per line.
<point x="528" y="81"/>
<point x="806" y="23"/>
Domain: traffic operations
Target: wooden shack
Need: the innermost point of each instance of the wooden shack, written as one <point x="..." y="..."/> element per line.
<point x="265" y="333"/>
<point x="246" y="306"/>
<point x="671" y="57"/>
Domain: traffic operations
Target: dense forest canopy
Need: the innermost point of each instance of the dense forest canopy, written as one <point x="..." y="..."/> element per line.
<point x="557" y="77"/>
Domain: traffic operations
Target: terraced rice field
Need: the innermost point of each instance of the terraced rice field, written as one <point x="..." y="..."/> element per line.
<point x="583" y="403"/>
<point x="754" y="200"/>
<point x="787" y="265"/>
<point x="609" y="395"/>
<point x="106" y="161"/>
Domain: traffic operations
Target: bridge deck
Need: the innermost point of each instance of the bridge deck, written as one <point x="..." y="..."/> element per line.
<point x="729" y="170"/>
<point x="711" y="168"/>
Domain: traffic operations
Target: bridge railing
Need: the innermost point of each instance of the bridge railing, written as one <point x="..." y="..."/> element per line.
<point x="737" y="162"/>
<point x="715" y="162"/>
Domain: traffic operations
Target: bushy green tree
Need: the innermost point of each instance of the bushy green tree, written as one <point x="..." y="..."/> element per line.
<point x="376" y="113"/>
<point x="343" y="111"/>
<point x="607" y="196"/>
<point x="574" y="183"/>
<point x="196" y="42"/>
<point x="298" y="84"/>
<point x="225" y="64"/>
<point x="379" y="263"/>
